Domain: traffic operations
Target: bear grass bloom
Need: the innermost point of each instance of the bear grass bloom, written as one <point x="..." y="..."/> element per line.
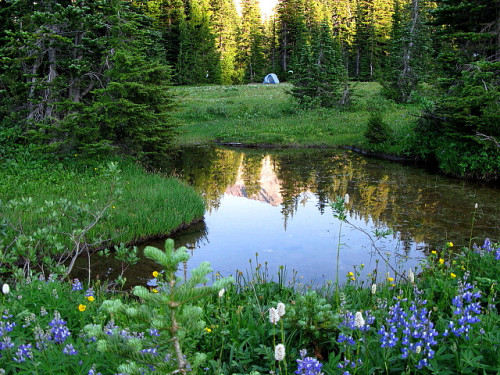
<point x="279" y="352"/>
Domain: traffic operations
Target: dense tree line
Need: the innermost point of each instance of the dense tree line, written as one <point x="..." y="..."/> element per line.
<point x="85" y="76"/>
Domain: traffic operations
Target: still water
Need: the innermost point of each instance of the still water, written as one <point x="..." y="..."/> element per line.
<point x="273" y="207"/>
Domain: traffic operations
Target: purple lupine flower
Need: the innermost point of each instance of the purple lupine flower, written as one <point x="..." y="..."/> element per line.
<point x="6" y="343"/>
<point x="23" y="352"/>
<point x="77" y="285"/>
<point x="89" y="293"/>
<point x="308" y="365"/>
<point x="69" y="350"/>
<point x="59" y="331"/>
<point x="152" y="351"/>
<point x="467" y="309"/>
<point x="92" y="372"/>
<point x="154" y="332"/>
<point x="41" y="338"/>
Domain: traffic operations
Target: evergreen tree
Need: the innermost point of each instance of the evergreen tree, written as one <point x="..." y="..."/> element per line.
<point x="405" y="66"/>
<point x="225" y="22"/>
<point x="198" y="60"/>
<point x="320" y="78"/>
<point x="461" y="131"/>
<point x="74" y="61"/>
<point x="252" y="42"/>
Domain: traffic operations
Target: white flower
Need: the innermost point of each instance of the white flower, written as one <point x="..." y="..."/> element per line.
<point x="221" y="292"/>
<point x="279" y="352"/>
<point x="5" y="288"/>
<point x="411" y="276"/>
<point x="374" y="288"/>
<point x="280" y="309"/>
<point x="359" y="321"/>
<point x="476" y="206"/>
<point x="418" y="349"/>
<point x="346" y="198"/>
<point x="273" y="315"/>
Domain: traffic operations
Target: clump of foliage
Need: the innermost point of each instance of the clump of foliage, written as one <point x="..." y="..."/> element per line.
<point x="377" y="130"/>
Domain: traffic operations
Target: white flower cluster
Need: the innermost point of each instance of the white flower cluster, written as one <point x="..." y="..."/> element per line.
<point x="276" y="313"/>
<point x="359" y="321"/>
<point x="279" y="352"/>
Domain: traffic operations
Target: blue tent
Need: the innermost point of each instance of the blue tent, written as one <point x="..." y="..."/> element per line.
<point x="271" y="78"/>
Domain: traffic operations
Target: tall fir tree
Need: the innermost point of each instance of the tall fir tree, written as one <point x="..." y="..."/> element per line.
<point x="198" y="60"/>
<point x="460" y="132"/>
<point x="251" y="42"/>
<point x="406" y="64"/>
<point x="64" y="56"/>
<point x="320" y="77"/>
<point x="225" y="22"/>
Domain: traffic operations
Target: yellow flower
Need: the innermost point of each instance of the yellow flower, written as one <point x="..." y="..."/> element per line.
<point x="463" y="268"/>
<point x="90" y="298"/>
<point x="208" y="330"/>
<point x="155" y="273"/>
<point x="350" y="274"/>
<point x="453" y="275"/>
<point x="390" y="279"/>
<point x="441" y="260"/>
<point x="353" y="278"/>
<point x="393" y="285"/>
<point x="113" y="207"/>
<point x="433" y="252"/>
<point x="449" y="244"/>
<point x="82" y="308"/>
<point x="155" y="291"/>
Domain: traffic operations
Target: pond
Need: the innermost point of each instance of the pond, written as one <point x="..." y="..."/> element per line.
<point x="272" y="208"/>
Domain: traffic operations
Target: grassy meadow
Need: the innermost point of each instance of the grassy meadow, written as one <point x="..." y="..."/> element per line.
<point x="266" y="115"/>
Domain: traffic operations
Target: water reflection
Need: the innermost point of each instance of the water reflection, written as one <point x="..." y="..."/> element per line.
<point x="276" y="203"/>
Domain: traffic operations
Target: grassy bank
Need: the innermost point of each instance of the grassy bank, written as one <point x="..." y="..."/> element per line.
<point x="50" y="208"/>
<point x="265" y="114"/>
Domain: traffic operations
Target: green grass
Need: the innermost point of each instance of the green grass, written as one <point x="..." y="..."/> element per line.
<point x="266" y="114"/>
<point x="148" y="205"/>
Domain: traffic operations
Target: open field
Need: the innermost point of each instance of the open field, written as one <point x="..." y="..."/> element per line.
<point x="265" y="114"/>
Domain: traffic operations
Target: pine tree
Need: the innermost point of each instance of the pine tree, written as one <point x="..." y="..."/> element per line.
<point x="198" y="60"/>
<point x="405" y="66"/>
<point x="75" y="61"/>
<point x="320" y="77"/>
<point x="251" y="42"/>
<point x="461" y="131"/>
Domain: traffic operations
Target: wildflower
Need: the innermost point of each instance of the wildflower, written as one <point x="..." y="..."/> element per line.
<point x="434" y="252"/>
<point x="92" y="372"/>
<point x="466" y="310"/>
<point x="280" y="309"/>
<point x="208" y="330"/>
<point x="58" y="332"/>
<point x="89" y="293"/>
<point x="155" y="274"/>
<point x="155" y="290"/>
<point x="154" y="332"/>
<point x="152" y="282"/>
<point x="5" y="288"/>
<point x="374" y="288"/>
<point x="23" y="352"/>
<point x="77" y="285"/>
<point x="90" y="298"/>
<point x="449" y="244"/>
<point x="69" y="350"/>
<point x="452" y="275"/>
<point x="152" y="351"/>
<point x="441" y="260"/>
<point x="221" y="292"/>
<point x="346" y="198"/>
<point x="279" y="352"/>
<point x="359" y="321"/>
<point x="476" y="206"/>
<point x="390" y="279"/>
<point x="308" y="365"/>
<point x="82" y="308"/>
<point x="350" y="274"/>
<point x="411" y="276"/>
<point x="273" y="316"/>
